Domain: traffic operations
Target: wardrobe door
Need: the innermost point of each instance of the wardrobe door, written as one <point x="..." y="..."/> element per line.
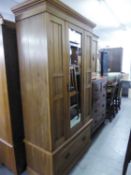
<point x="57" y="76"/>
<point x="75" y="37"/>
<point x="87" y="77"/>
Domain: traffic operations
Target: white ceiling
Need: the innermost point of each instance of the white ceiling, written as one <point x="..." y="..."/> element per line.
<point x="5" y="6"/>
<point x="107" y="14"/>
<point x="113" y="19"/>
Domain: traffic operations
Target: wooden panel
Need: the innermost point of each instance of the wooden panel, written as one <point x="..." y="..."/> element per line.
<point x="94" y="55"/>
<point x="32" y="42"/>
<point x="38" y="161"/>
<point x="57" y="79"/>
<point x="31" y="171"/>
<point x="13" y="88"/>
<point x="7" y="156"/>
<point x="12" y="152"/>
<point x="5" y="123"/>
<point x="87" y="77"/>
<point x="87" y="103"/>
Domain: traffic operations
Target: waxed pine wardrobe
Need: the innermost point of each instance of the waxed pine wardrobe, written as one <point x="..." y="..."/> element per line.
<point x="12" y="150"/>
<point x="56" y="47"/>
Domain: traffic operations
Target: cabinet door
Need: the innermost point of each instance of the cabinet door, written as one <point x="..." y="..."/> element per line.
<point x="87" y="77"/>
<point x="75" y="38"/>
<point x="57" y="76"/>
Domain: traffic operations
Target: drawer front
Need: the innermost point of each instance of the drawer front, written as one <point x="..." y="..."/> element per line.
<point x="103" y="95"/>
<point x="96" y="109"/>
<point x="96" y="84"/>
<point x="99" y="88"/>
<point x="94" y="125"/>
<point x="103" y="103"/>
<point x="99" y="108"/>
<point x="103" y="106"/>
<point x="96" y="104"/>
<point x="95" y="97"/>
<point x="100" y="112"/>
<point x="96" y="89"/>
<point x="95" y="113"/>
<point x="66" y="156"/>
<point x="97" y="121"/>
<point x="103" y="113"/>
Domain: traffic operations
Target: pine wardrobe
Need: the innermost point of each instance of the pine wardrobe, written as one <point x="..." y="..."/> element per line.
<point x="55" y="52"/>
<point x="12" y="150"/>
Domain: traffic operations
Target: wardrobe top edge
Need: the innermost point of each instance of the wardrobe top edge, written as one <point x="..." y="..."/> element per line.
<point x="7" y="23"/>
<point x="26" y="5"/>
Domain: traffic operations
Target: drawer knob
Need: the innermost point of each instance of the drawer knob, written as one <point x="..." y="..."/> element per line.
<point x="67" y="155"/>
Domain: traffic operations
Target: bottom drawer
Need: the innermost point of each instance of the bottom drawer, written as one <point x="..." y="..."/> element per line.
<point x="67" y="156"/>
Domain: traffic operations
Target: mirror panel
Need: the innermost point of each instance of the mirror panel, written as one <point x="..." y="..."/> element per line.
<point x="75" y="77"/>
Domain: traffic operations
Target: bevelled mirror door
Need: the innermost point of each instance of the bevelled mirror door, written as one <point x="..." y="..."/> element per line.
<point x="75" y="40"/>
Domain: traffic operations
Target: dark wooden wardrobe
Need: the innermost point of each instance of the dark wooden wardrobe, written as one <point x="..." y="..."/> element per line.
<point x="12" y="153"/>
<point x="113" y="57"/>
<point x="55" y="57"/>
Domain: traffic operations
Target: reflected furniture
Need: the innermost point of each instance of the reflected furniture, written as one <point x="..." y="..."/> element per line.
<point x="98" y="102"/>
<point x="55" y="56"/>
<point x="12" y="152"/>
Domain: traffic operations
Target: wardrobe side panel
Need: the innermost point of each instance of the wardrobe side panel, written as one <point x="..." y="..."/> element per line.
<point x="33" y="61"/>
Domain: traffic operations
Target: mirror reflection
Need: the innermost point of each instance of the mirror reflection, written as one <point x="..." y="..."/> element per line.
<point x="75" y="77"/>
